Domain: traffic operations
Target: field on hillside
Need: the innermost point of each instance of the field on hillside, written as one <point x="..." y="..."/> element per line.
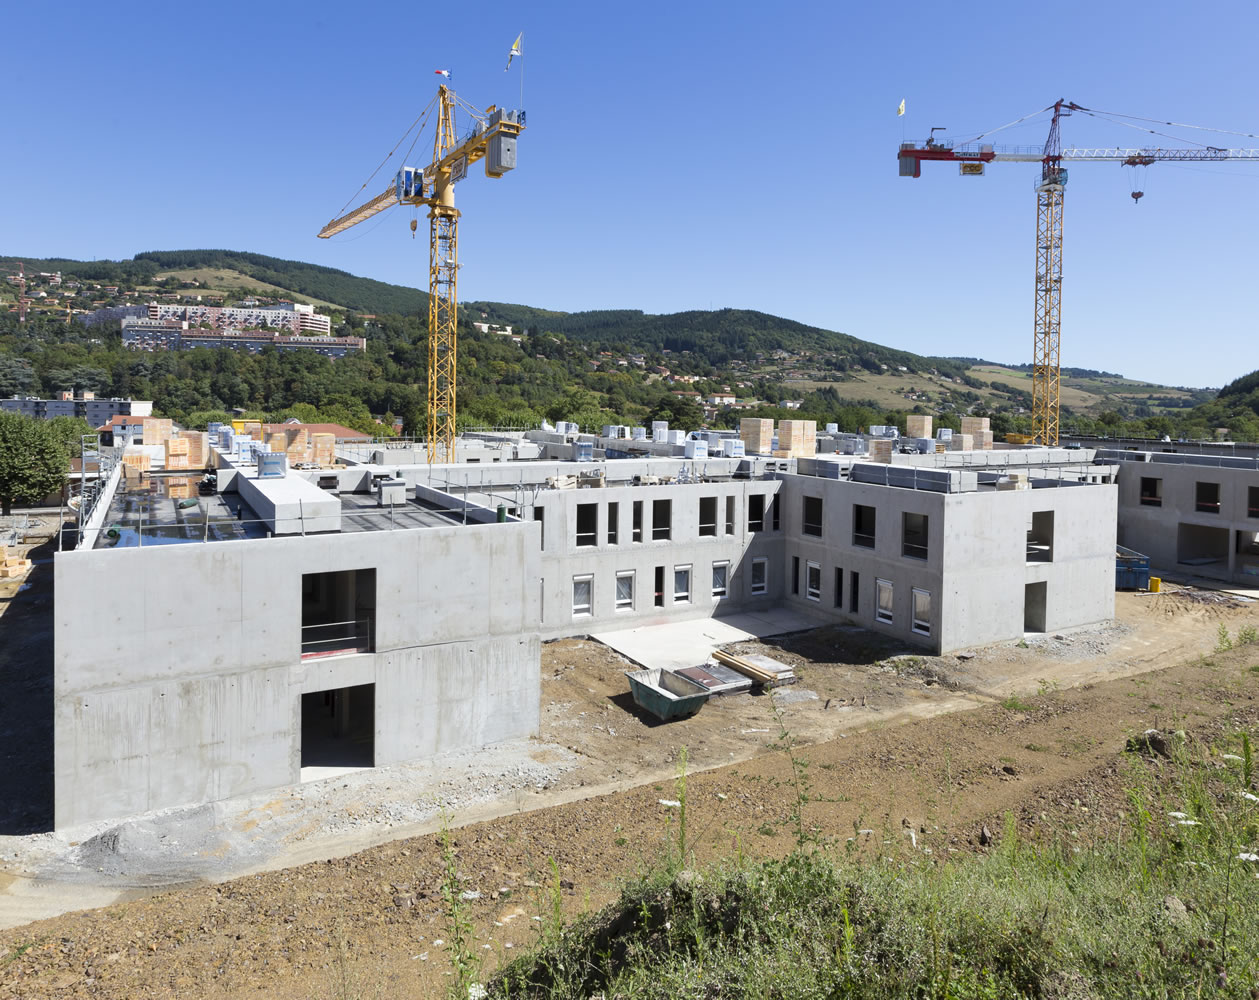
<point x="217" y="279"/>
<point x="904" y="390"/>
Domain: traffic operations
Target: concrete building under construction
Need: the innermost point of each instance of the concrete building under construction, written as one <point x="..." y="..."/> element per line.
<point x="294" y="620"/>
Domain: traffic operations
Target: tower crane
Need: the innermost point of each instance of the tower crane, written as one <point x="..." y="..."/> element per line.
<point x="972" y="157"/>
<point x="492" y="138"/>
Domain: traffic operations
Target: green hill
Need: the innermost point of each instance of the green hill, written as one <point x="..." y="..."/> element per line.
<point x="610" y="353"/>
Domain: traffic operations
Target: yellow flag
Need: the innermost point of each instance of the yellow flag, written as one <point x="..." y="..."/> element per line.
<point x="901" y="110"/>
<point x="515" y="50"/>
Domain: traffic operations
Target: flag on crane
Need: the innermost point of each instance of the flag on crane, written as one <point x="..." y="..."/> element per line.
<point x="515" y="50"/>
<point x="443" y="72"/>
<point x="901" y="110"/>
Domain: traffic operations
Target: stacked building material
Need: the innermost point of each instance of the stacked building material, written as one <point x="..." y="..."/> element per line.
<point x="762" y="670"/>
<point x="918" y="425"/>
<point x="1014" y="481"/>
<point x="135" y="458"/>
<point x="757" y="435"/>
<point x="881" y="449"/>
<point x="797" y="439"/>
<point x="323" y="449"/>
<point x="294" y="442"/>
<point x="251" y="429"/>
<point x="180" y="488"/>
<point x="12" y="566"/>
<point x="156" y="430"/>
<point x="176" y="453"/>
<point x="981" y="430"/>
<point x="198" y="447"/>
<point x="962" y="442"/>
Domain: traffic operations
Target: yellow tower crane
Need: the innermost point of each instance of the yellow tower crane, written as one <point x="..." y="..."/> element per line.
<point x="972" y="157"/>
<point x="492" y="138"/>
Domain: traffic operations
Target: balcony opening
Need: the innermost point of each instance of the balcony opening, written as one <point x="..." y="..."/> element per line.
<point x="636" y="532"/>
<point x="914" y="535"/>
<point x="1252" y="501"/>
<point x="708" y="516"/>
<point x="730" y="515"/>
<point x="338" y="612"/>
<point x="1151" y="492"/>
<point x="1040" y="537"/>
<point x="661" y="520"/>
<point x="659" y="589"/>
<point x="811" y="520"/>
<point x="587" y="523"/>
<point x="614" y="518"/>
<point x="1207" y="498"/>
<point x="756" y="512"/>
<point x="338" y="730"/>
<point x="863" y="519"/>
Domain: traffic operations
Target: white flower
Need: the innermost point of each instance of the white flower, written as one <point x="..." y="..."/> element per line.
<point x="1244" y="856"/>
<point x="1178" y="815"/>
<point x="671" y="803"/>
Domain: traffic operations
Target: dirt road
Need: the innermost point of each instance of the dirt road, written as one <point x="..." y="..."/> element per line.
<point x="372" y="924"/>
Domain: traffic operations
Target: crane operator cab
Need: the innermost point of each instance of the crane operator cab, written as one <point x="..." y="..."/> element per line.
<point x="409" y="183"/>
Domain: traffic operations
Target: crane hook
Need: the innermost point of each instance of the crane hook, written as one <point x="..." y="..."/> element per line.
<point x="413" y="225"/>
<point x="1137" y="196"/>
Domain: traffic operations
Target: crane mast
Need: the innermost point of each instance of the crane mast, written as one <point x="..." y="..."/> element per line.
<point x="493" y="138"/>
<point x="1046" y="367"/>
<point x="972" y="158"/>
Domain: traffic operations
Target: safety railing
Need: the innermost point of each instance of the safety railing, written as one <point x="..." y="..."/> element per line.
<point x="337" y="638"/>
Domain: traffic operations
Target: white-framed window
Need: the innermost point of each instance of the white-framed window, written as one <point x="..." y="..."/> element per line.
<point x="813" y="581"/>
<point x="883" y="600"/>
<point x="760" y="575"/>
<point x="583" y="595"/>
<point x="681" y="584"/>
<point x="921" y="612"/>
<point x="625" y="590"/>
<point x="721" y="578"/>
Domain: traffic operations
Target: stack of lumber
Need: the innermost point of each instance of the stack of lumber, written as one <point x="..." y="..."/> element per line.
<point x="757" y="434"/>
<point x="155" y="430"/>
<point x="881" y="450"/>
<point x="980" y="428"/>
<point x="796" y="439"/>
<point x="324" y="449"/>
<point x="198" y="447"/>
<point x="762" y="670"/>
<point x="12" y="567"/>
<point x="918" y="425"/>
<point x="180" y="488"/>
<point x="176" y="453"/>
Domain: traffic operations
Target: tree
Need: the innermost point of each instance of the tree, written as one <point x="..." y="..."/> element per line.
<point x="32" y="462"/>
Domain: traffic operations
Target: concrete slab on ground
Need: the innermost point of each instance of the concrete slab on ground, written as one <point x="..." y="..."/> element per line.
<point x="1206" y="583"/>
<point x="674" y="645"/>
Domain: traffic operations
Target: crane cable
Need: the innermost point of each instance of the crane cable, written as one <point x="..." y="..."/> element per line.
<point x="1157" y="121"/>
<point x="1141" y="128"/>
<point x="1017" y="121"/>
<point x="420" y="119"/>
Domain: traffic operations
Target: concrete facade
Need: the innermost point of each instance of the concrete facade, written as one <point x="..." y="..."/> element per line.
<point x="185" y="672"/>
<point x="179" y="669"/>
<point x="1195" y="514"/>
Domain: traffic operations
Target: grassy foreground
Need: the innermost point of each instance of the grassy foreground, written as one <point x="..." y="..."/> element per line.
<point x="1167" y="907"/>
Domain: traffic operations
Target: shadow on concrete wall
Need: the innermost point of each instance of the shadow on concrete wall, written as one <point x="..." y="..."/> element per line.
<point x="26" y="703"/>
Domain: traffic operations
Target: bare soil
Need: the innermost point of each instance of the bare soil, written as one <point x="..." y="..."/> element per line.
<point x="886" y="753"/>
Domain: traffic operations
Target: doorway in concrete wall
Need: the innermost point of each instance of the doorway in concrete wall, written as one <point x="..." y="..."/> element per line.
<point x="338" y="731"/>
<point x="1034" y="595"/>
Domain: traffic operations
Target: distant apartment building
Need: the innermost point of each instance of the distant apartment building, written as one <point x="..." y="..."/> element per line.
<point x="176" y="335"/>
<point x="95" y="411"/>
<point x="299" y="319"/>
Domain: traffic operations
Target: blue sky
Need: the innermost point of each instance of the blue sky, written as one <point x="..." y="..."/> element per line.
<point x="678" y="156"/>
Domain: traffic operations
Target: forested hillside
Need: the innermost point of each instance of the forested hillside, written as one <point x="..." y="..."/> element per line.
<point x="596" y="367"/>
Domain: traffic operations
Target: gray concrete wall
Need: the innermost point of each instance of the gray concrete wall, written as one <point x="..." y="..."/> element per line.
<point x="563" y="559"/>
<point x="985" y="567"/>
<point x="178" y="669"/>
<point x="976" y="566"/>
<point x="1175" y="528"/>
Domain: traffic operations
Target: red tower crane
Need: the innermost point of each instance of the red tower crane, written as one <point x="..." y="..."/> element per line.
<point x="972" y="157"/>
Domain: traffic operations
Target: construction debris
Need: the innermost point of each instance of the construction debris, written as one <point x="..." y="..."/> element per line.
<point x="763" y="670"/>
